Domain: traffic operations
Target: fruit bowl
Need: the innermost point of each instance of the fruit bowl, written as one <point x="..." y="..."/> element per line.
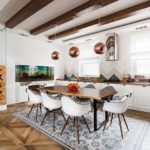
<point x="73" y="87"/>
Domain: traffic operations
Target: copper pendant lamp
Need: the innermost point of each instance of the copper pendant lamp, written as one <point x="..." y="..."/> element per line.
<point x="99" y="47"/>
<point x="55" y="55"/>
<point x="74" y="52"/>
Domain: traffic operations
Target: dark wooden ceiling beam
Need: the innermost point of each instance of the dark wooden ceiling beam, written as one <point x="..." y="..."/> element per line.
<point x="104" y="20"/>
<point x="68" y="15"/>
<point x="28" y="10"/>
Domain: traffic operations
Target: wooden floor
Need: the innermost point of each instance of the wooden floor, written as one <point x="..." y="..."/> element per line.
<point x="16" y="135"/>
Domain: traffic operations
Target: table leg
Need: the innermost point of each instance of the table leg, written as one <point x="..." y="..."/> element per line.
<point x="95" y="115"/>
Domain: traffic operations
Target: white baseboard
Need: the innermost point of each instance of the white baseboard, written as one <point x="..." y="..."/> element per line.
<point x="139" y="109"/>
<point x="3" y="107"/>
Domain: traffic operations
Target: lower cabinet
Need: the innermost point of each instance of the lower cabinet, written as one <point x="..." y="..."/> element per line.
<point x="142" y="97"/>
<point x="124" y="90"/>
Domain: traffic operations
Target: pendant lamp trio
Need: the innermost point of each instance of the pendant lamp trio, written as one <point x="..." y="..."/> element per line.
<point x="74" y="51"/>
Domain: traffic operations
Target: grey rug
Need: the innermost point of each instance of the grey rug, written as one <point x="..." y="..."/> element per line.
<point x="110" y="139"/>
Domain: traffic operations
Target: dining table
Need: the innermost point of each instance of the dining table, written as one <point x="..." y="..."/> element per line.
<point x="95" y="95"/>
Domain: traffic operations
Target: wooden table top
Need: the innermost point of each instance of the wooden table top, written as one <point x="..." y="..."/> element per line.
<point x="97" y="94"/>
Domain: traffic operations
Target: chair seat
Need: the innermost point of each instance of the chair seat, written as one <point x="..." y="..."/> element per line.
<point x="57" y="105"/>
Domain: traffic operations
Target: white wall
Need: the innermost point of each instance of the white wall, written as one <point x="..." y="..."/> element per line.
<point x="29" y="51"/>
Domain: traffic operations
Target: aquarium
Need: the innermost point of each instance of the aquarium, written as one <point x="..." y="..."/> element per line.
<point x="26" y="73"/>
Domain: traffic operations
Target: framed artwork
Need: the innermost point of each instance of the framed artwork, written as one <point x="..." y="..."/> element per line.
<point x="111" y="47"/>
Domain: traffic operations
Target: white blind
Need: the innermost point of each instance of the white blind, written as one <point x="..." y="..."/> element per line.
<point x="89" y="61"/>
<point x="140" y="53"/>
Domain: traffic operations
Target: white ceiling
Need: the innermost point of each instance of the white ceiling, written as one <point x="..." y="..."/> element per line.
<point x="9" y="7"/>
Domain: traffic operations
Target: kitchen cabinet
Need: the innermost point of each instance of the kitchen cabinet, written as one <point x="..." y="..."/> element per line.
<point x="142" y="97"/>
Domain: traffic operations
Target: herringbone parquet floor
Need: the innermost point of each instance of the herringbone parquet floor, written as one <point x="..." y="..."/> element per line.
<point x="16" y="135"/>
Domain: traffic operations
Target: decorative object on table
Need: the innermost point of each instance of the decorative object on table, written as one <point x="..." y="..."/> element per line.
<point x="99" y="48"/>
<point x="74" y="52"/>
<point x="55" y="55"/>
<point x="114" y="78"/>
<point x="102" y="78"/>
<point x="73" y="86"/>
<point x="111" y="47"/>
<point x="2" y="84"/>
<point x="98" y="140"/>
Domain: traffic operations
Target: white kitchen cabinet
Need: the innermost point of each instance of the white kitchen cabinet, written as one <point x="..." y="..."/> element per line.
<point x="142" y="97"/>
<point x="21" y="94"/>
<point x="123" y="90"/>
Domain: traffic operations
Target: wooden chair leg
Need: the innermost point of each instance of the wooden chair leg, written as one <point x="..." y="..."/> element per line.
<point x="77" y="123"/>
<point x="65" y="125"/>
<point x="40" y="108"/>
<point x="125" y="121"/>
<point x="74" y="121"/>
<point x="86" y="124"/>
<point x="120" y="125"/>
<point x="30" y="110"/>
<point x="54" y="121"/>
<point x="106" y="121"/>
<point x="44" y="117"/>
<point x="62" y="114"/>
<point x="36" y="112"/>
<point x="112" y="115"/>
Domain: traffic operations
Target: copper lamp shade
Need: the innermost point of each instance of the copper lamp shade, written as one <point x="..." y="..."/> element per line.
<point x="74" y="52"/>
<point x="99" y="48"/>
<point x="55" y="55"/>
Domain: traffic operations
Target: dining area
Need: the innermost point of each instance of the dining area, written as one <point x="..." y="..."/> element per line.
<point x="78" y="107"/>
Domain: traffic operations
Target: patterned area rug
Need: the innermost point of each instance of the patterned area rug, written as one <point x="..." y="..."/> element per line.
<point x="110" y="139"/>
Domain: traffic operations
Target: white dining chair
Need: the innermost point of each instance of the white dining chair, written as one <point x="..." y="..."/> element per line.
<point x="75" y="110"/>
<point x="35" y="99"/>
<point x="118" y="107"/>
<point x="52" y="104"/>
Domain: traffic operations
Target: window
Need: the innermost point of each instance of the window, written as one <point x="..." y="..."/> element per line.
<point x="140" y="53"/>
<point x="89" y="61"/>
<point x="89" y="67"/>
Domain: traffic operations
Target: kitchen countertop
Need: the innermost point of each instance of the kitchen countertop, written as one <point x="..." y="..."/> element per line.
<point x="127" y="83"/>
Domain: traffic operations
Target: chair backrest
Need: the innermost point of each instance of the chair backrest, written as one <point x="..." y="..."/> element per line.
<point x="117" y="106"/>
<point x="90" y="86"/>
<point x="72" y="108"/>
<point x="110" y="88"/>
<point x="50" y="102"/>
<point x="34" y="97"/>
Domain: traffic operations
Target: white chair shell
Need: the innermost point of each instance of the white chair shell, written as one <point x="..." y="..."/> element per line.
<point x="74" y="109"/>
<point x="116" y="106"/>
<point x="50" y="102"/>
<point x="34" y="97"/>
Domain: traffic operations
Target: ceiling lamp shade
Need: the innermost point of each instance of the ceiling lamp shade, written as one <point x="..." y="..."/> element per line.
<point x="74" y="52"/>
<point x="99" y="48"/>
<point x="55" y="55"/>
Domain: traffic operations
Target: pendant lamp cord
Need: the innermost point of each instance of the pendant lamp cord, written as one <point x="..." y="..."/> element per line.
<point x="99" y="17"/>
